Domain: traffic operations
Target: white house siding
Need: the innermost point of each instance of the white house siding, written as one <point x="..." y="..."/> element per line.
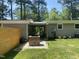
<point x="51" y="28"/>
<point x="68" y="30"/>
<point x="23" y="27"/>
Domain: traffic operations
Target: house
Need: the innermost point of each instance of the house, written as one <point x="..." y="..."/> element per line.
<point x="50" y="28"/>
<point x="69" y="28"/>
<point x="59" y="27"/>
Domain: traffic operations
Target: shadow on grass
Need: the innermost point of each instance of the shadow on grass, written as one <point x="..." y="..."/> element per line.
<point x="50" y="39"/>
<point x="11" y="54"/>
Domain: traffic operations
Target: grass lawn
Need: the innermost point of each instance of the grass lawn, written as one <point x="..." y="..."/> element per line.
<point x="59" y="49"/>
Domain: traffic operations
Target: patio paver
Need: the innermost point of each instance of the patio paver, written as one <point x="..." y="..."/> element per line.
<point x="43" y="45"/>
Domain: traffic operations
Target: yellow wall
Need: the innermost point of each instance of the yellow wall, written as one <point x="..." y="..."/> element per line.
<point x="23" y="27"/>
<point x="9" y="38"/>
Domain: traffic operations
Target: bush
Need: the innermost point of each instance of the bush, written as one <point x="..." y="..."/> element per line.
<point x="64" y="37"/>
<point x="70" y="37"/>
<point x="59" y="37"/>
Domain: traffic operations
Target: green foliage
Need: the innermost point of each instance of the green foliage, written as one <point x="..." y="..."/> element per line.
<point x="3" y="10"/>
<point x="54" y="14"/>
<point x="10" y="2"/>
<point x="39" y="9"/>
<point x="37" y="30"/>
<point x="72" y="5"/>
<point x="35" y="10"/>
<point x="44" y="14"/>
<point x="27" y="13"/>
<point x="65" y="14"/>
<point x="23" y="4"/>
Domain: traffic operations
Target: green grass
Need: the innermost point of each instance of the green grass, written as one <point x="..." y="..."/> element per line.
<point x="59" y="49"/>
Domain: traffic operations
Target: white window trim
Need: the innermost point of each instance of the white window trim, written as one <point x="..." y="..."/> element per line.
<point x="75" y="28"/>
<point x="60" y="24"/>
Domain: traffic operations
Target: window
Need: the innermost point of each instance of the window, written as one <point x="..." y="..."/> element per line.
<point x="76" y="26"/>
<point x="60" y="27"/>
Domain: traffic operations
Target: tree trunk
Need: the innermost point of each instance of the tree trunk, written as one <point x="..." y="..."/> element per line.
<point x="71" y="12"/>
<point x="24" y="12"/>
<point x="21" y="9"/>
<point x="2" y="10"/>
<point x="38" y="12"/>
<point x="11" y="11"/>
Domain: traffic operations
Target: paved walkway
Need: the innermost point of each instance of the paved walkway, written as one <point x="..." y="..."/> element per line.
<point x="22" y="47"/>
<point x="43" y="45"/>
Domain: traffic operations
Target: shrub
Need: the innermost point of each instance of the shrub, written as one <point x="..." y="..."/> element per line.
<point x="64" y="37"/>
<point x="70" y="37"/>
<point x="59" y="37"/>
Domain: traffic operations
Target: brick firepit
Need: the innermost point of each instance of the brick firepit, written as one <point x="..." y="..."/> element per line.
<point x="34" y="40"/>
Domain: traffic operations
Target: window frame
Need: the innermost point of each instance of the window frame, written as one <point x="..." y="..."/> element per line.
<point x="58" y="26"/>
<point x="75" y="27"/>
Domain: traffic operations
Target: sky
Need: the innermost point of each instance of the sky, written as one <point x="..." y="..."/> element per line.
<point x="53" y="4"/>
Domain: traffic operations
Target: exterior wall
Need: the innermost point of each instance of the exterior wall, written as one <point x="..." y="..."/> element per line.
<point x="9" y="38"/>
<point x="51" y="28"/>
<point x="68" y="30"/>
<point x="23" y="27"/>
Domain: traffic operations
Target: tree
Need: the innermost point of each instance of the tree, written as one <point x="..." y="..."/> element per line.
<point x="26" y="4"/>
<point x="45" y="15"/>
<point x="3" y="10"/>
<point x="72" y="5"/>
<point x="11" y="8"/>
<point x="54" y="14"/>
<point x="27" y="13"/>
<point x="19" y="2"/>
<point x="22" y="4"/>
<point x="65" y="14"/>
<point x="39" y="7"/>
<point x="35" y="9"/>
